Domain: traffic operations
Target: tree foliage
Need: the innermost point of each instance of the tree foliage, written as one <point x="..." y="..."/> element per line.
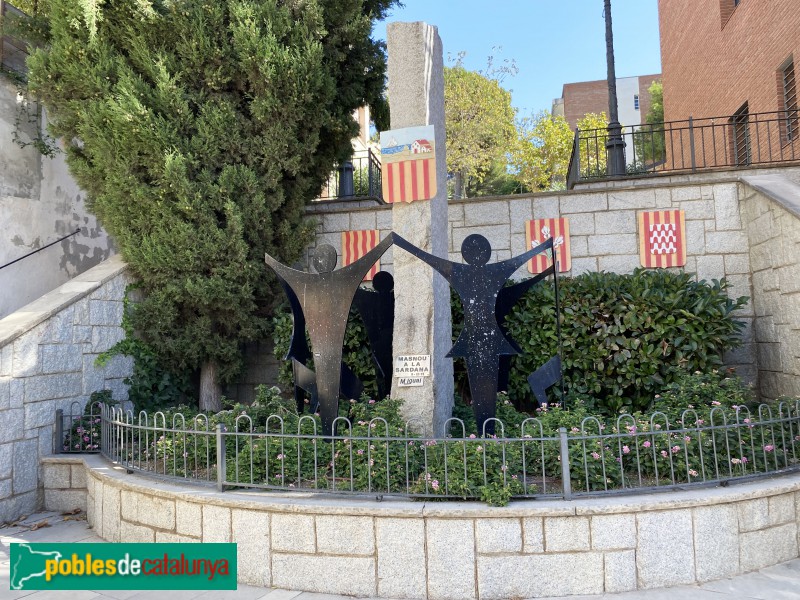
<point x="540" y="158"/>
<point x="199" y="130"/>
<point x="649" y="139"/>
<point x="479" y="120"/>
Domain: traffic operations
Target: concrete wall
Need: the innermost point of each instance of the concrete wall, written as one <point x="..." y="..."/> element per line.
<point x="447" y="550"/>
<point x="603" y="230"/>
<point x="47" y="361"/>
<point x="771" y="210"/>
<point x="39" y="203"/>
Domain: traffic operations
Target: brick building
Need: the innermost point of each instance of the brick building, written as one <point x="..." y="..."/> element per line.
<point x="734" y="59"/>
<point x="578" y="99"/>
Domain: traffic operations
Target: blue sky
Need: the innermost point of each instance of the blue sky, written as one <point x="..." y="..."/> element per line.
<point x="552" y="42"/>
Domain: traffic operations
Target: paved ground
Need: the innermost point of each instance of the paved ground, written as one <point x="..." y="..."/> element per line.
<point x="781" y="582"/>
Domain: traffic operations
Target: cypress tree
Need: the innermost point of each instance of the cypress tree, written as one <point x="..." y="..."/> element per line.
<point x="199" y="130"/>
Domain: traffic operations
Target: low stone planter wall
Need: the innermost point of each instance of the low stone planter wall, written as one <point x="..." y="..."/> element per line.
<point x="443" y="550"/>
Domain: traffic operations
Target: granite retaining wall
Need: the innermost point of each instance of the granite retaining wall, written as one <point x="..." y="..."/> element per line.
<point x="444" y="550"/>
<point x="47" y="362"/>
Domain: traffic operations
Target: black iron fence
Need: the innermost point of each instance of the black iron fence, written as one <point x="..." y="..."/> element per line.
<point x="740" y="140"/>
<point x="78" y="431"/>
<point x="632" y="453"/>
<point x="360" y="178"/>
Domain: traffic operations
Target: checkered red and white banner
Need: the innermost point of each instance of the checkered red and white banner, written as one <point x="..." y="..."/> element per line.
<point x="356" y="244"/>
<point x="537" y="231"/>
<point x="662" y="239"/>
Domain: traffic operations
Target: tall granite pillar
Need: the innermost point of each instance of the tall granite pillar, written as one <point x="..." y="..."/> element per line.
<point x="422" y="297"/>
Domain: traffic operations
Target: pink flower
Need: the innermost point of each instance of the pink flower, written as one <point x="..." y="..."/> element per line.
<point x="360" y="452"/>
<point x="371" y="402"/>
<point x="435" y="484"/>
<point x="280" y="457"/>
<point x="646" y="444"/>
<point x="472" y="436"/>
<point x="687" y="439"/>
<point x="769" y="448"/>
<point x="692" y="472"/>
<point x="595" y="455"/>
<point x="626" y="450"/>
<point x="744" y="460"/>
<point x="664" y="453"/>
<point x="715" y="403"/>
<point x="676" y="449"/>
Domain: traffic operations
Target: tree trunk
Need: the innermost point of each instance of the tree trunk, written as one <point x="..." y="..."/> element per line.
<point x="210" y="390"/>
<point x="458" y="192"/>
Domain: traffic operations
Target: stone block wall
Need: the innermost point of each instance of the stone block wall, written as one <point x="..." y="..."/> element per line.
<point x="771" y="209"/>
<point x="450" y="551"/>
<point x="603" y="232"/>
<point x="47" y="362"/>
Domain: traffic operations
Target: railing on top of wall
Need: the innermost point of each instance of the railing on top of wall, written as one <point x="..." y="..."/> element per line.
<point x="628" y="455"/>
<point x="358" y="179"/>
<point x="739" y="140"/>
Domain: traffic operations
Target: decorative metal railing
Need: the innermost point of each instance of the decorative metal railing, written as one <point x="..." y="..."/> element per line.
<point x="741" y="140"/>
<point x="633" y="453"/>
<point x="358" y="179"/>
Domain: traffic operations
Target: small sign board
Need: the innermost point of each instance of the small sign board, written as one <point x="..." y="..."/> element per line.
<point x="408" y="164"/>
<point x="410" y="381"/>
<point x="410" y="366"/>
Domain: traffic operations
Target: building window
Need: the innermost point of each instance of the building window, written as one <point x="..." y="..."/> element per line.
<point x="788" y="101"/>
<point x="740" y="124"/>
<point x="636" y="101"/>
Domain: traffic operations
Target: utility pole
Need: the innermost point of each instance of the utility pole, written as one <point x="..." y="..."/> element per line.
<point x="615" y="145"/>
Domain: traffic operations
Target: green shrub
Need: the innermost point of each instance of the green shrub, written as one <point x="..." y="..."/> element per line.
<point x="624" y="337"/>
<point x="151" y="385"/>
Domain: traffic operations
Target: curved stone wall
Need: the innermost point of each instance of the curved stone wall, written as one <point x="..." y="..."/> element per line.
<point x="446" y="550"/>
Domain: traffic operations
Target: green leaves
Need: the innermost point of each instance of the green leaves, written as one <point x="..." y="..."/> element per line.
<point x="200" y="130"/>
<point x="624" y="336"/>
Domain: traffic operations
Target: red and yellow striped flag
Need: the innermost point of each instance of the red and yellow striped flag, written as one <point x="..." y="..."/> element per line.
<point x="662" y="239"/>
<point x="356" y="244"/>
<point x="537" y="231"/>
<point x="409" y="180"/>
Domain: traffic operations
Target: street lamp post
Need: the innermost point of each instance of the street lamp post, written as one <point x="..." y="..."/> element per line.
<point x="615" y="145"/>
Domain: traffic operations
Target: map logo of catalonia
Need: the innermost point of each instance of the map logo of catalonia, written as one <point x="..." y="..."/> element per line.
<point x="28" y="564"/>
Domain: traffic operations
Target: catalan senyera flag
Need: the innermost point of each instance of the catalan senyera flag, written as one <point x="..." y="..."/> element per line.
<point x="408" y="164"/>
<point x="662" y="239"/>
<point x="356" y="244"/>
<point x="537" y="231"/>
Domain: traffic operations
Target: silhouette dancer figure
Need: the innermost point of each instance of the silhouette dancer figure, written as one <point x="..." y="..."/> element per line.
<point x="482" y="341"/>
<point x="377" y="311"/>
<point x="305" y="380"/>
<point x="506" y="300"/>
<point x="325" y="298"/>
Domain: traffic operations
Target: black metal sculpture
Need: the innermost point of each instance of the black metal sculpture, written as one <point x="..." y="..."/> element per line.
<point x="377" y="311"/>
<point x="506" y="300"/>
<point x="482" y="341"/>
<point x="305" y="381"/>
<point x="325" y="298"/>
